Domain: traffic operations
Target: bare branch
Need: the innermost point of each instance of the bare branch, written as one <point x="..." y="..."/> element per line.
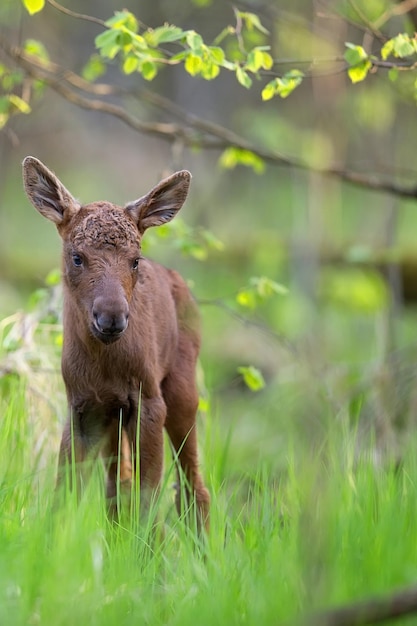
<point x="80" y="16"/>
<point x="194" y="132"/>
<point x="373" y="611"/>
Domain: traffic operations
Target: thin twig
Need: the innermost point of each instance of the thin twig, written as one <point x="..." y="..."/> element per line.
<point x="80" y="16"/>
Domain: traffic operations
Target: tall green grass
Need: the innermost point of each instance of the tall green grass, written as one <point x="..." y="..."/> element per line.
<point x="330" y="527"/>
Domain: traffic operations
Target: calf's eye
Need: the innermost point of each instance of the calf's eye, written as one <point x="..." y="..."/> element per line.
<point x="77" y="260"/>
<point x="135" y="264"/>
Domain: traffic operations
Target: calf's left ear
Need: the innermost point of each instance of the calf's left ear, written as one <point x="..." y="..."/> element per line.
<point x="162" y="203"/>
<point x="46" y="192"/>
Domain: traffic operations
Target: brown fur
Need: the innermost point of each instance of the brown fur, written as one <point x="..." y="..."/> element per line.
<point x="131" y="336"/>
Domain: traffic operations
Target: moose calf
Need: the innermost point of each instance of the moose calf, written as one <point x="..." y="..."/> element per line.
<point x="131" y="337"/>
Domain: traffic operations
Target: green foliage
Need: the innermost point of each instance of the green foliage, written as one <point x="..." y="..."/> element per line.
<point x="260" y="289"/>
<point x="359" y="62"/>
<point x="192" y="242"/>
<point x="401" y="46"/>
<point x="144" y="50"/>
<point x="33" y="6"/>
<point x="11" y="103"/>
<point x="252" y="377"/>
<point x="94" y="68"/>
<point x="283" y="86"/>
<point x="355" y="289"/>
<point x="231" y="157"/>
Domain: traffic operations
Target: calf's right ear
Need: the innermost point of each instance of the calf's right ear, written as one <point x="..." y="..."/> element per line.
<point x="46" y="192"/>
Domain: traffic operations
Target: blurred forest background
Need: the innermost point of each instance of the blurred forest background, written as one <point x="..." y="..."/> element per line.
<point x="341" y="344"/>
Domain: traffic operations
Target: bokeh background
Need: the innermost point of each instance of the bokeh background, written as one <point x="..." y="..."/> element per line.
<point x="340" y="345"/>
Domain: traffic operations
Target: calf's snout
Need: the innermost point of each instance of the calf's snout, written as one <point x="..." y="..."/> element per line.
<point x="110" y="318"/>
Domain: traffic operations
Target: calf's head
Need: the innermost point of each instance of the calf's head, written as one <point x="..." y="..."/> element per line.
<point x="102" y="242"/>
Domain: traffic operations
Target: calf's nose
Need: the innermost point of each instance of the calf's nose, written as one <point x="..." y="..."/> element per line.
<point x="110" y="317"/>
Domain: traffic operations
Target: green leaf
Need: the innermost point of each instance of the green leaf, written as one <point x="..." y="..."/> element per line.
<point x="130" y="64"/>
<point x="252" y="21"/>
<point x="36" y="49"/>
<point x="123" y="19"/>
<point x="243" y="77"/>
<point x="163" y="34"/>
<point x="194" y="40"/>
<point x="284" y="86"/>
<point x="360" y="71"/>
<point x="107" y="43"/>
<point x="247" y="298"/>
<point x="148" y="69"/>
<point x="355" y="289"/>
<point x="193" y="64"/>
<point x="237" y="156"/>
<point x="354" y="54"/>
<point x="252" y="377"/>
<point x="258" y="59"/>
<point x="209" y="70"/>
<point x="94" y="68"/>
<point x="266" y="287"/>
<point x="393" y="74"/>
<point x="387" y="49"/>
<point x="19" y="104"/>
<point x="124" y="39"/>
<point x="217" y="54"/>
<point x="359" y="62"/>
<point x="53" y="278"/>
<point x="403" y="46"/>
<point x="270" y="90"/>
<point x="33" y="6"/>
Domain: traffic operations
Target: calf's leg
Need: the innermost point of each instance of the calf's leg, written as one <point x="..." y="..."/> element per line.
<point x="181" y="397"/>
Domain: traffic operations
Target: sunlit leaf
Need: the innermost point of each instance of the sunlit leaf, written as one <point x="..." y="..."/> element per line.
<point x="258" y="59"/>
<point x="237" y="156"/>
<point x="148" y="69"/>
<point x="283" y="86"/>
<point x="209" y="70"/>
<point x="269" y="91"/>
<point x="203" y="404"/>
<point x="194" y="40"/>
<point x="403" y="46"/>
<point x="53" y="278"/>
<point x="163" y="34"/>
<point x="123" y="19"/>
<point x="130" y="64"/>
<point x="266" y="287"/>
<point x="19" y="104"/>
<point x="252" y="21"/>
<point x="247" y="298"/>
<point x="356" y="289"/>
<point x="193" y="64"/>
<point x="107" y="43"/>
<point x="393" y="74"/>
<point x="252" y="377"/>
<point x="243" y="77"/>
<point x="354" y="54"/>
<point x="359" y="62"/>
<point x="94" y="68"/>
<point x="37" y="49"/>
<point x="217" y="54"/>
<point x="33" y="6"/>
<point x="360" y="71"/>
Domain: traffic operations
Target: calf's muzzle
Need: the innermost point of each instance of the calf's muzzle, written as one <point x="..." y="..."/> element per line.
<point x="110" y="318"/>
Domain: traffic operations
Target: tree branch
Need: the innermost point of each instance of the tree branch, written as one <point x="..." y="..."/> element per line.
<point x="193" y="132"/>
<point x="373" y="611"/>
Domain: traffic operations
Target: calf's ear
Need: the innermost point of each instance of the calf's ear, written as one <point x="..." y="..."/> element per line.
<point x="46" y="192"/>
<point x="162" y="202"/>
